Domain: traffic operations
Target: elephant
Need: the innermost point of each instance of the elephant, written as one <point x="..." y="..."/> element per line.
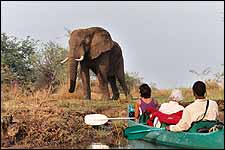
<point x="95" y="50"/>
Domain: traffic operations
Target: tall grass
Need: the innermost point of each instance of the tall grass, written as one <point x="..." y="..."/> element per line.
<point x="214" y="92"/>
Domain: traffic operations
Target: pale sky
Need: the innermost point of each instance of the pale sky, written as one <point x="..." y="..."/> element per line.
<point x="161" y="40"/>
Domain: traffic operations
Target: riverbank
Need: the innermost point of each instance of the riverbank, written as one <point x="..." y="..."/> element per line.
<point x="57" y="122"/>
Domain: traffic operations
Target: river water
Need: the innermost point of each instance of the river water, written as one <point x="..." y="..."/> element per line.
<point x="132" y="144"/>
<point x="140" y="144"/>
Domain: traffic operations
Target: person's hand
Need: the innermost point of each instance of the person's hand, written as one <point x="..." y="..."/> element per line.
<point x="136" y="120"/>
<point x="167" y="128"/>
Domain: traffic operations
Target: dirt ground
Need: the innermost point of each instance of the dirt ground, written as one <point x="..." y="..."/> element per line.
<point x="57" y="124"/>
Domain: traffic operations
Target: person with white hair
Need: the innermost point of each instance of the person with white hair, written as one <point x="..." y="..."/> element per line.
<point x="170" y="112"/>
<point x="173" y="105"/>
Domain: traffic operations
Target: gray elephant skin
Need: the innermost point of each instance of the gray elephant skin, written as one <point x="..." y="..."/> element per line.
<point x="94" y="49"/>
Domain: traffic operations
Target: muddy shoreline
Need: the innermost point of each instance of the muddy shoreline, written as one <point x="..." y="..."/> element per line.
<point x="54" y="127"/>
<point x="61" y="125"/>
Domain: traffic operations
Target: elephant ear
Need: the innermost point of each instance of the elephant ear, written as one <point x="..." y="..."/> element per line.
<point x="101" y="42"/>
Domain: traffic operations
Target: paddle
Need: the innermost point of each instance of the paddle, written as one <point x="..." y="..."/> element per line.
<point x="99" y="119"/>
<point x="138" y="132"/>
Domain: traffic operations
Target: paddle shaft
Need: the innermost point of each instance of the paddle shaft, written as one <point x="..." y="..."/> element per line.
<point x="98" y="119"/>
<point x="120" y="118"/>
<point x="124" y="118"/>
<point x="149" y="130"/>
<point x="138" y="132"/>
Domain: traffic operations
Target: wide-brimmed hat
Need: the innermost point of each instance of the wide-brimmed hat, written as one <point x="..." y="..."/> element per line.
<point x="176" y="95"/>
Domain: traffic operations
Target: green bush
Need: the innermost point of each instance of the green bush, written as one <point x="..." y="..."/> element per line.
<point x="17" y="60"/>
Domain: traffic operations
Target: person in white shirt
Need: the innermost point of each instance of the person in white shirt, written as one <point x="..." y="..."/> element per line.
<point x="196" y="110"/>
<point x="172" y="106"/>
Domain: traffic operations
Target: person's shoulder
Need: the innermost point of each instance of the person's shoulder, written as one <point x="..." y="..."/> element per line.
<point x="191" y="105"/>
<point x="164" y="104"/>
<point x="138" y="101"/>
<point x="182" y="106"/>
<point x="213" y="102"/>
<point x="154" y="100"/>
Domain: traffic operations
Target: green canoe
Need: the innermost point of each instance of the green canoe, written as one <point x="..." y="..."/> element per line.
<point x="190" y="139"/>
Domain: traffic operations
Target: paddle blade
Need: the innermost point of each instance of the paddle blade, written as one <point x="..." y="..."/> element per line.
<point x="138" y="132"/>
<point x="95" y="119"/>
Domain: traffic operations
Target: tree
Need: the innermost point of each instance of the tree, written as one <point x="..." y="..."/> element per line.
<point x="17" y="58"/>
<point x="50" y="72"/>
<point x="133" y="80"/>
<point x="153" y="86"/>
<point x="219" y="76"/>
<point x="214" y="81"/>
<point x="202" y="74"/>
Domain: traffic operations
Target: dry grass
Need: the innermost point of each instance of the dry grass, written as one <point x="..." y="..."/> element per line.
<point x="56" y="120"/>
<point x="58" y="123"/>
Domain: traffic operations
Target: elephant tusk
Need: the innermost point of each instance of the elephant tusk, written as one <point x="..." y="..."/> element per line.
<point x="65" y="60"/>
<point x="80" y="59"/>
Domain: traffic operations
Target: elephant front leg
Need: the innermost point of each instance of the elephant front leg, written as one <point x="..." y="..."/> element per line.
<point x="85" y="77"/>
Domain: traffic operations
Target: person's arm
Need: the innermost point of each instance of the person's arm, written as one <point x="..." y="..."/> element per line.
<point x="183" y="124"/>
<point x="216" y="110"/>
<point x="136" y="114"/>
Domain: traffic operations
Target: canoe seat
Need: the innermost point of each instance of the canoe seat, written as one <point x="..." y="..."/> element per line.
<point x="202" y="126"/>
<point x="143" y="118"/>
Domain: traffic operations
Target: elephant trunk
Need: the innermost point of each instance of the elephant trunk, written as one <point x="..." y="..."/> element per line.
<point x="73" y="73"/>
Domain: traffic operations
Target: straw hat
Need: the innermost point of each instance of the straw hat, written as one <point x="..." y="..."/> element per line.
<point x="176" y="95"/>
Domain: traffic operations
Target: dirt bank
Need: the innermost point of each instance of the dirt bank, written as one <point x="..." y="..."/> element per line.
<point x="60" y="123"/>
<point x="57" y="125"/>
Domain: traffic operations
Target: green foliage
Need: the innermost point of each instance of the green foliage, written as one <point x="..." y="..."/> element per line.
<point x="50" y="71"/>
<point x="34" y="66"/>
<point x="133" y="80"/>
<point x="6" y="74"/>
<point x="17" y="59"/>
<point x="153" y="86"/>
